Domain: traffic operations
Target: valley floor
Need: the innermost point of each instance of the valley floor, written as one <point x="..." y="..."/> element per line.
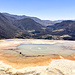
<point x="13" y="63"/>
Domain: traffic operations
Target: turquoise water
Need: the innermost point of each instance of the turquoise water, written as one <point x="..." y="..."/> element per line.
<point x="44" y="49"/>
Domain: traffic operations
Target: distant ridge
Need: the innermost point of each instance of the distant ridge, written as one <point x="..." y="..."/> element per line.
<point x="66" y="27"/>
<point x="43" y="22"/>
<point x="28" y="24"/>
<point x="26" y="27"/>
<point x="12" y="28"/>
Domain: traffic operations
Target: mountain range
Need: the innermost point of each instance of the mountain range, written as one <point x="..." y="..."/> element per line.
<point x="66" y="27"/>
<point x="43" y="22"/>
<point x="7" y="30"/>
<point x="14" y="26"/>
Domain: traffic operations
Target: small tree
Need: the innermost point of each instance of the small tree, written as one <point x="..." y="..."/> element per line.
<point x="49" y="37"/>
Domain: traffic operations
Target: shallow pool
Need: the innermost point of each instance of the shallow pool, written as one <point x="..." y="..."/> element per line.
<point x="44" y="49"/>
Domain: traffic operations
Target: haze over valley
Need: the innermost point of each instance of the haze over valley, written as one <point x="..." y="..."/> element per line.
<point x="33" y="27"/>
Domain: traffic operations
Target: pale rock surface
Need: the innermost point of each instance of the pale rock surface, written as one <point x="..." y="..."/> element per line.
<point x="57" y="67"/>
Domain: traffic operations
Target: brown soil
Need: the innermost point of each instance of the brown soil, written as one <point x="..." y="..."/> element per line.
<point x="18" y="61"/>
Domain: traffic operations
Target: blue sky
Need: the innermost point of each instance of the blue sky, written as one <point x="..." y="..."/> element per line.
<point x="43" y="9"/>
